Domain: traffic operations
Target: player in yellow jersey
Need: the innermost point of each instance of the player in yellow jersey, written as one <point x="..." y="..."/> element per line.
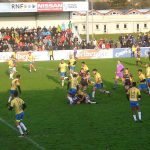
<point x="98" y="84"/>
<point x="15" y="86"/>
<point x="19" y="105"/>
<point x="73" y="84"/>
<point x="148" y="77"/>
<point x="134" y="96"/>
<point x="142" y="78"/>
<point x="14" y="56"/>
<point x="11" y="68"/>
<point x="31" y="60"/>
<point x="84" y="67"/>
<point x="138" y="56"/>
<point x="62" y="68"/>
<point x="72" y="64"/>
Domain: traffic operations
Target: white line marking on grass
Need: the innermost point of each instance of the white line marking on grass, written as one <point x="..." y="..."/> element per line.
<point x="27" y="138"/>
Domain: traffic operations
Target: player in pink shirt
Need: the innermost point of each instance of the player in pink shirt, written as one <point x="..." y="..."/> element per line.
<point x="119" y="73"/>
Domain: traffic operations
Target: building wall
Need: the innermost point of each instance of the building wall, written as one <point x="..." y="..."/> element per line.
<point x="110" y="24"/>
<point x="98" y="24"/>
<point x="45" y="19"/>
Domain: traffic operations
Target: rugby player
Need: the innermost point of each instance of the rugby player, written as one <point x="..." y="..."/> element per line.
<point x="15" y="86"/>
<point x="134" y="96"/>
<point x="62" y="68"/>
<point x="19" y="105"/>
<point x="71" y="64"/>
<point x="119" y="73"/>
<point x="98" y="84"/>
<point x="142" y="79"/>
<point x="11" y="68"/>
<point x="31" y="60"/>
<point x="138" y="56"/>
<point x="148" y="77"/>
<point x="127" y="79"/>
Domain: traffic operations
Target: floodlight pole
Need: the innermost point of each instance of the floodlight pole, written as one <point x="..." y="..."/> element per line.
<point x="87" y="23"/>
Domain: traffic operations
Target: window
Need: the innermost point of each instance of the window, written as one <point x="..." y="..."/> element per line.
<point x="73" y="14"/>
<point x="97" y="27"/>
<point x="104" y="28"/>
<point x="76" y="27"/>
<point x="125" y="26"/>
<point x="138" y="26"/>
<point x="83" y="27"/>
<point x="145" y="25"/>
<point x="117" y="26"/>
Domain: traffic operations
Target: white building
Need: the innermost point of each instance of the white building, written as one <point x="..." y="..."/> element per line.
<point x="113" y="21"/>
<point x="100" y="22"/>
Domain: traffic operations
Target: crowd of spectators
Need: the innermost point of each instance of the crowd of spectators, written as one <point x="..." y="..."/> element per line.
<point x="128" y="40"/>
<point x="125" y="41"/>
<point x="25" y="39"/>
<point x="59" y="38"/>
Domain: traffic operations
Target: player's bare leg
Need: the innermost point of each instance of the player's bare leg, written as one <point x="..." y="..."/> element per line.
<point x="62" y="81"/>
<point x="93" y="93"/>
<point x="32" y="67"/>
<point x="134" y="114"/>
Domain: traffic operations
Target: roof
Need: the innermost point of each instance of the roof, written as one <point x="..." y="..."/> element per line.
<point x="118" y="12"/>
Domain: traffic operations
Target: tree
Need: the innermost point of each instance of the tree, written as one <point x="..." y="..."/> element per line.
<point x="118" y="3"/>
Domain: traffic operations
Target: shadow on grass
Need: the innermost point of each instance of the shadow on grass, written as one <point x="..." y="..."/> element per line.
<point x="53" y="78"/>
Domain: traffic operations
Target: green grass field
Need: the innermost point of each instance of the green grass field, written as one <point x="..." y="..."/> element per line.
<point x="55" y="125"/>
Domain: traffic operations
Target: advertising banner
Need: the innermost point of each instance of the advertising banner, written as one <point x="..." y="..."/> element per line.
<point x="121" y="53"/>
<point x="4" y="7"/>
<point x="75" y="6"/>
<point x="23" y="7"/>
<point x="94" y="54"/>
<point x="49" y="7"/>
<point x="144" y="51"/>
<point x="81" y="54"/>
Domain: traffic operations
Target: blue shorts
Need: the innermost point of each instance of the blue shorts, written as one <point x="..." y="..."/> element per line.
<point x="148" y="80"/>
<point x="30" y="62"/>
<point x="72" y="92"/>
<point x="98" y="86"/>
<point x="72" y="68"/>
<point x="143" y="86"/>
<point x="63" y="74"/>
<point x="134" y="104"/>
<point x="20" y="117"/>
<point x="12" y="92"/>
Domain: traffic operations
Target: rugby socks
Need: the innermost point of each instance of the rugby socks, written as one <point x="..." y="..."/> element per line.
<point x="149" y="90"/>
<point x="10" y="98"/>
<point x="139" y="115"/>
<point x="23" y="126"/>
<point x="93" y="94"/>
<point x="134" y="117"/>
<point x="65" y="78"/>
<point x="107" y="92"/>
<point x="20" y="130"/>
<point x="15" y="69"/>
<point x="62" y="82"/>
<point x="71" y="75"/>
<point x="11" y="76"/>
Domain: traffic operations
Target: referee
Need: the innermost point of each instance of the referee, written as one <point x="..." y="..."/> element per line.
<point x="51" y="56"/>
